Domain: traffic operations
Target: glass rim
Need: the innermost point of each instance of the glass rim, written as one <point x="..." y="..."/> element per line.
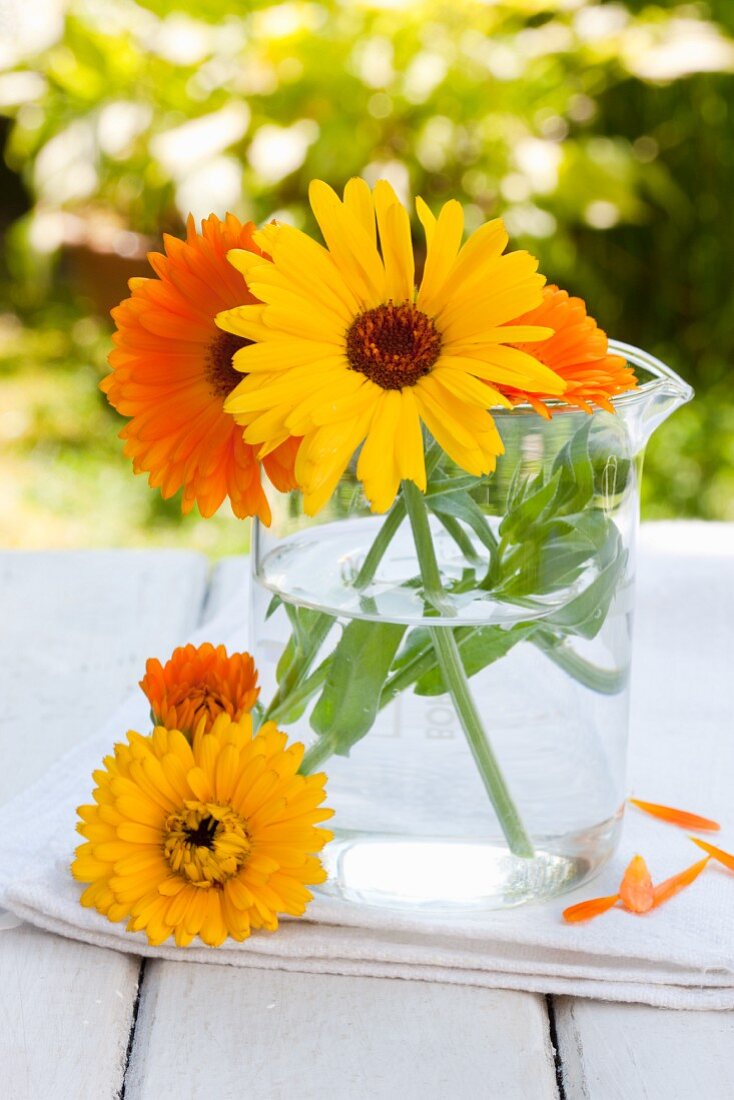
<point x="664" y="380"/>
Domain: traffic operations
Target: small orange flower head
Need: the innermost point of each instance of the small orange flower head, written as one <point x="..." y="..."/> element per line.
<point x="198" y="684"/>
<point x="172" y="370"/>
<point x="577" y="352"/>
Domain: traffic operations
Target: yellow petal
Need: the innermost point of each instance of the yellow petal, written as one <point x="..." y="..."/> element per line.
<point x="426" y="218"/>
<point x="467" y="388"/>
<point x="377" y="468"/>
<point x="395" y="242"/>
<point x="442" y="251"/>
<point x="353" y="252"/>
<point x="278" y="355"/>
<point x="358" y="201"/>
<point x="409" y="452"/>
<point x="506" y="366"/>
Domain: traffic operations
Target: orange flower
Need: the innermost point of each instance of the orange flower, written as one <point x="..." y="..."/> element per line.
<point x="683" y="818"/>
<point x="172" y="370"/>
<point x="199" y="684"/>
<point x="577" y="352"/>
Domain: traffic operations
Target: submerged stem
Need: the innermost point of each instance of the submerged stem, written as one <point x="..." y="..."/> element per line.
<point x="455" y="679"/>
<point x="605" y="681"/>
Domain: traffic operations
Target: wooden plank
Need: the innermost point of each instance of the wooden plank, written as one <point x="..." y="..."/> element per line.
<point x="276" y="1035"/>
<point x="634" y="1052"/>
<point x="209" y="1031"/>
<point x="76" y="631"/>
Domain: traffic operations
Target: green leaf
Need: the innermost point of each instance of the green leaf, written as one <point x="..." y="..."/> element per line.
<point x="273" y="606"/>
<point x="309" y="631"/>
<point x="586" y="613"/>
<point x="359" y="666"/>
<point x="576" y="474"/>
<point x="463" y="507"/>
<point x="479" y="647"/>
<point x="532" y="509"/>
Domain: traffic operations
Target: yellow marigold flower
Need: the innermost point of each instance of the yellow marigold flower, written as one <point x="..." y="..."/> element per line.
<point x="212" y="839"/>
<point x="199" y="683"/>
<point x="577" y="352"/>
<point x="349" y="352"/>
<point x="172" y="370"/>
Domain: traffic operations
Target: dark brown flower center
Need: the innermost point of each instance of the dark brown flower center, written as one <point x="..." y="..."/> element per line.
<point x="202" y="835"/>
<point x="393" y="345"/>
<point x="220" y="374"/>
<point x="206" y="843"/>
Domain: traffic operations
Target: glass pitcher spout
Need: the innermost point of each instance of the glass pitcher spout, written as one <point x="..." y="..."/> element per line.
<point x="659" y="393"/>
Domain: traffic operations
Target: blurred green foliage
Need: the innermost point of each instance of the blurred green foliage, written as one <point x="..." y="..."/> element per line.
<point x="600" y="131"/>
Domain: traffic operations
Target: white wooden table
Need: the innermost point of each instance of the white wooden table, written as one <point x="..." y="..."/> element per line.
<point x="80" y="1022"/>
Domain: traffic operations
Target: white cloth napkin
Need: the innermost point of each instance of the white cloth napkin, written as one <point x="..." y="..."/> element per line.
<point x="682" y="753"/>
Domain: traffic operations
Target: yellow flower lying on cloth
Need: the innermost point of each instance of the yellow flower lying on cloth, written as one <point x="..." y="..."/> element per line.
<point x="214" y="838"/>
<point x="198" y="683"/>
<point x="345" y="350"/>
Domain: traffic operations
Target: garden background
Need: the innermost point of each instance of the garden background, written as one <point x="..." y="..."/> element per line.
<point x="601" y="132"/>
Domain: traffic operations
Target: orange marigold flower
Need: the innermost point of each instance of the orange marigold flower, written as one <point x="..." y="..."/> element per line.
<point x="577" y="352"/>
<point x="200" y="684"/>
<point x="172" y="370"/>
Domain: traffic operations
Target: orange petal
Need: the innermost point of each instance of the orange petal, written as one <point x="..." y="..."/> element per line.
<point x="716" y="853"/>
<point x="636" y="889"/>
<point x="585" y="910"/>
<point x="671" y="886"/>
<point x="676" y="817"/>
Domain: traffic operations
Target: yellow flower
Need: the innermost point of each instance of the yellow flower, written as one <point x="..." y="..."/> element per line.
<point x="210" y="839"/>
<point x="349" y="352"/>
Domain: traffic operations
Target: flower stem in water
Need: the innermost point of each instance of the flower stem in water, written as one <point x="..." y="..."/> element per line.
<point x="455" y="679"/>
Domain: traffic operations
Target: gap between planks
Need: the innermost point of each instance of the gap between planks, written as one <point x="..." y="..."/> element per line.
<point x="77" y="628"/>
<point x="327" y="1035"/>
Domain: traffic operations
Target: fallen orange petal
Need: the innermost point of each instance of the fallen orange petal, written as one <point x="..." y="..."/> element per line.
<point x="676" y="817"/>
<point x="636" y="889"/>
<point x="585" y="910"/>
<point x="672" y="885"/>
<point x="716" y="853"/>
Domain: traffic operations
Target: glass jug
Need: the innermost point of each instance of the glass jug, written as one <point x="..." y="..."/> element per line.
<point x="515" y="790"/>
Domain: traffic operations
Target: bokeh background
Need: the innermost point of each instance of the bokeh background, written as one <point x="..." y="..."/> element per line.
<point x="601" y="131"/>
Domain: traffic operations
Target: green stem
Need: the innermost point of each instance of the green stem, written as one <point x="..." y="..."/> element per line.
<point x="376" y="552"/>
<point x="302" y="661"/>
<point x="430" y="573"/>
<point x="455" y="531"/>
<point x="605" y="681"/>
<point x="315" y="755"/>
<point x="454" y="676"/>
<point x="300" y="694"/>
<point x="299" y="667"/>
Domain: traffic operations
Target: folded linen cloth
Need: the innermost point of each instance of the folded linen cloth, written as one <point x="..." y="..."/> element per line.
<point x="680" y="956"/>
